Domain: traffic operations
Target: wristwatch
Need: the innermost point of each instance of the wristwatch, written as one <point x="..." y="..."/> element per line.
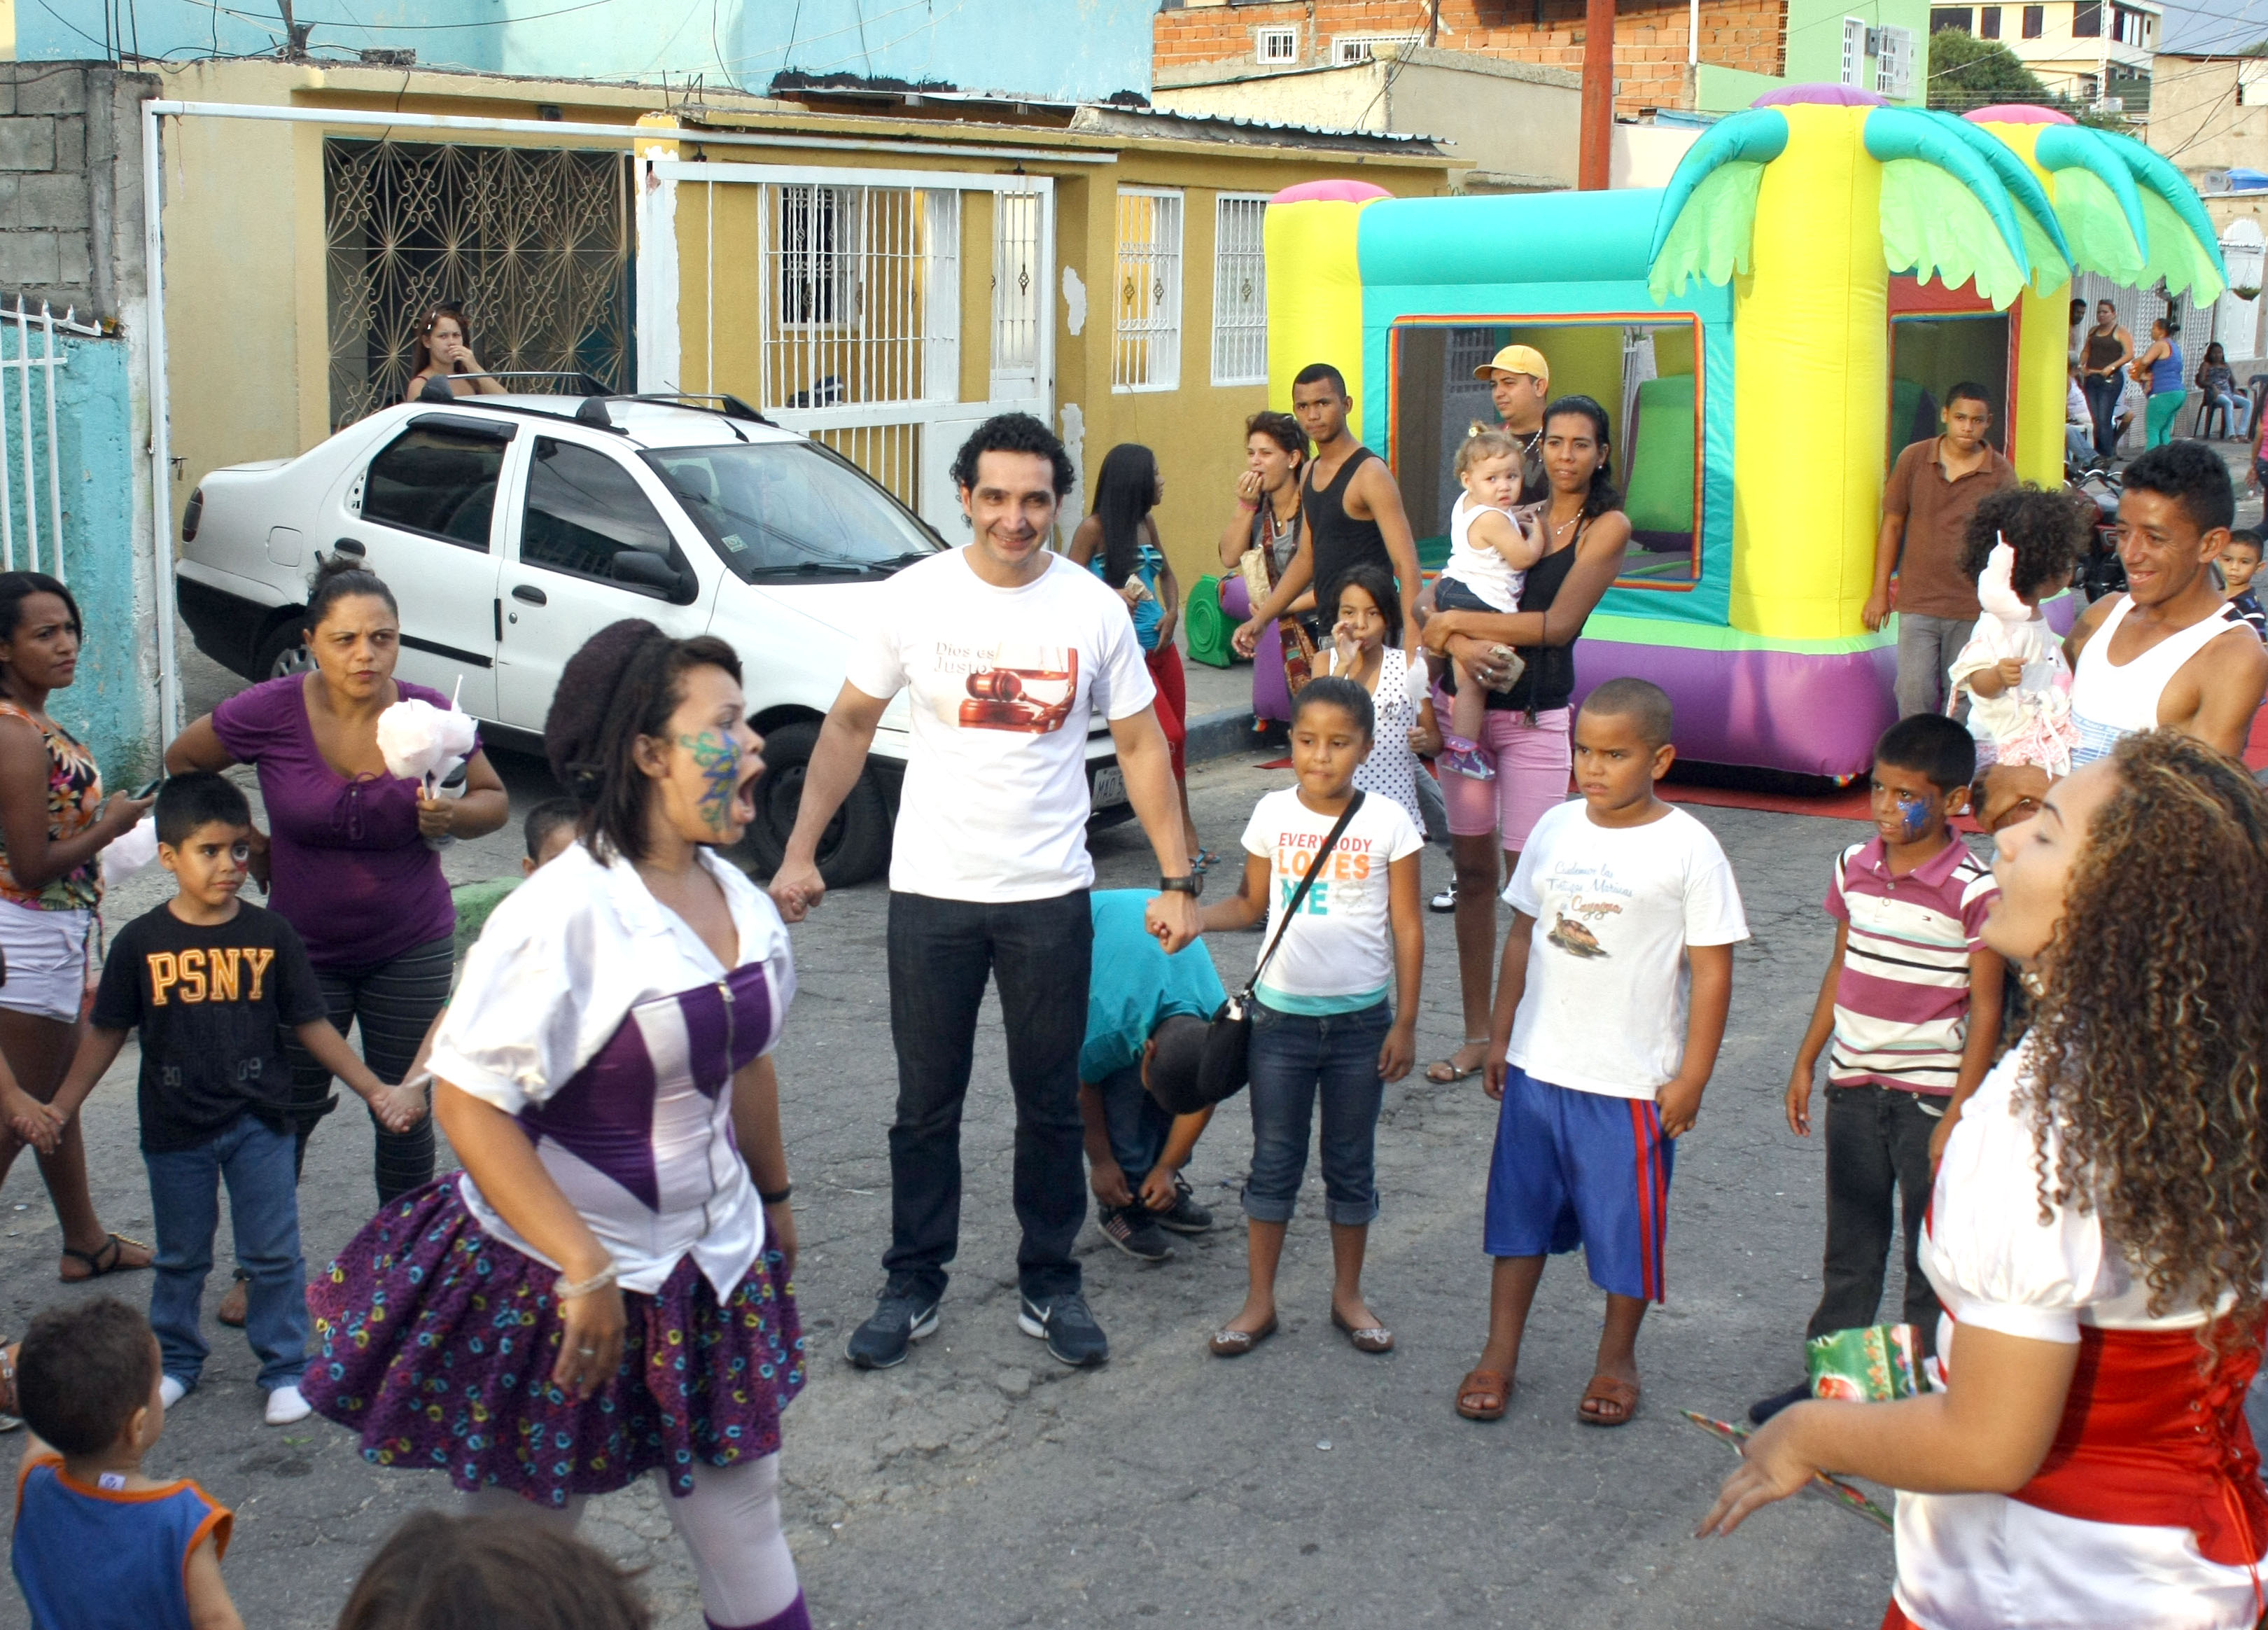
<point x="1188" y="885"/>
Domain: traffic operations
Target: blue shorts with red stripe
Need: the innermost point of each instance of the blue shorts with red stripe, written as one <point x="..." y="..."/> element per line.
<point x="1581" y="1168"/>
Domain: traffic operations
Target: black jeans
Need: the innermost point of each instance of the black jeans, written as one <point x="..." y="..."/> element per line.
<point x="940" y="953"/>
<point x="1877" y="1142"/>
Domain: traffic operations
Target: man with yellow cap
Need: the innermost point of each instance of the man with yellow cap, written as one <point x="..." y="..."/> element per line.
<point x="1520" y="383"/>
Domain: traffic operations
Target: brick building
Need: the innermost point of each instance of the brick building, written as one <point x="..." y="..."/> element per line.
<point x="1745" y="47"/>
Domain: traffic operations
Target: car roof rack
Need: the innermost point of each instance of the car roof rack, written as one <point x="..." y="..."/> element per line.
<point x="728" y="406"/>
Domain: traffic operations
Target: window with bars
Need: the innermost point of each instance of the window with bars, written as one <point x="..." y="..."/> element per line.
<point x="1277" y="46"/>
<point x="1348" y="49"/>
<point x="1019" y="301"/>
<point x="1146" y="332"/>
<point x="860" y="299"/>
<point x="1854" y="50"/>
<point x="818" y="256"/>
<point x="1239" y="290"/>
<point x="1894" y="61"/>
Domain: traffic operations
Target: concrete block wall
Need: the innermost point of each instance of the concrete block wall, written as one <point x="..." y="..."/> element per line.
<point x="1650" y="36"/>
<point x="70" y="185"/>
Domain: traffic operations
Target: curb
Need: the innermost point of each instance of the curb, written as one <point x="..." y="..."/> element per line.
<point x="1222" y="734"/>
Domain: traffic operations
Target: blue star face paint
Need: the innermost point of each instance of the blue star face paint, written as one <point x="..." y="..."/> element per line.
<point x="717" y="756"/>
<point x="1913" y="816"/>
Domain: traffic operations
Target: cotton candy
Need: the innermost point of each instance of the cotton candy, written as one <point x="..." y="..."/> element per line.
<point x="421" y="742"/>
<point x="129" y="852"/>
<point x="2029" y="723"/>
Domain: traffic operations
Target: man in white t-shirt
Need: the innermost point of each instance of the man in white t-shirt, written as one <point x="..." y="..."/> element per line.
<point x="1006" y="651"/>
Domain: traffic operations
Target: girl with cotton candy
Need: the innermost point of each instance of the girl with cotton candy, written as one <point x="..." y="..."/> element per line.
<point x="349" y="761"/>
<point x="2021" y="547"/>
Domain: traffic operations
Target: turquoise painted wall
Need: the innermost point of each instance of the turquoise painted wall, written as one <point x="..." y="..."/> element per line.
<point x="113" y="706"/>
<point x="1059" y="49"/>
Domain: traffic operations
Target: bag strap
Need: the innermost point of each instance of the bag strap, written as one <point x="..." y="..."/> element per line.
<point x="1299" y="894"/>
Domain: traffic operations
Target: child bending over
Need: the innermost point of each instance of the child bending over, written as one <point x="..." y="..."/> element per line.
<point x="1616" y="977"/>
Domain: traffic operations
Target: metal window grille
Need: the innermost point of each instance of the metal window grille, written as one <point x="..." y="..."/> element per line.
<point x="1239" y="290"/>
<point x="1348" y="49"/>
<point x="860" y="295"/>
<point x="533" y="243"/>
<point x="1146" y="338"/>
<point x="20" y="496"/>
<point x="1893" y="62"/>
<point x="1277" y="45"/>
<point x="1470" y="348"/>
<point x="1854" y="50"/>
<point x="1019" y="301"/>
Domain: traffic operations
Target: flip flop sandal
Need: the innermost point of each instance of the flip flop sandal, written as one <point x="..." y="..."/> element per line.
<point x="1484" y="1395"/>
<point x="112" y="1248"/>
<point x="1448" y="1072"/>
<point x="1206" y="860"/>
<point x="1373" y="1338"/>
<point x="1616" y="1396"/>
<point x="1237" y="1343"/>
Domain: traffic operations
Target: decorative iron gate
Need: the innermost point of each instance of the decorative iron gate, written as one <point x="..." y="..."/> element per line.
<point x="534" y="243"/>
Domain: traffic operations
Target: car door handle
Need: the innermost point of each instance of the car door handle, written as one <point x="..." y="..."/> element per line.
<point x="533" y="596"/>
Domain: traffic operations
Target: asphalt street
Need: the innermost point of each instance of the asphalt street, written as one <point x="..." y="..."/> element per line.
<point x="980" y="1485"/>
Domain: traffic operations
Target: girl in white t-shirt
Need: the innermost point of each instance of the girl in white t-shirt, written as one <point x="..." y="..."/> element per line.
<point x="1322" y="1024"/>
<point x="1489" y="554"/>
<point x="1367" y="648"/>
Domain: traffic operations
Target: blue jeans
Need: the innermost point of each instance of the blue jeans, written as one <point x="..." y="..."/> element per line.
<point x="258" y="1164"/>
<point x="940" y="954"/>
<point x="1135" y="1124"/>
<point x="1295" y="1059"/>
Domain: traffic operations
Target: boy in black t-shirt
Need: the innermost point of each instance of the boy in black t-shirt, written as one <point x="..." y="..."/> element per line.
<point x="211" y="982"/>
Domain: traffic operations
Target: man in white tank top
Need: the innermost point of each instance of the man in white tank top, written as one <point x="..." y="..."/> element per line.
<point x="2168" y="652"/>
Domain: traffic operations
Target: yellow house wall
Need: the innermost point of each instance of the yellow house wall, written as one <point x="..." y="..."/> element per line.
<point x="247" y="322"/>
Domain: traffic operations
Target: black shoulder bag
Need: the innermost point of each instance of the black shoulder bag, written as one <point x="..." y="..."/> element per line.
<point x="1227" y="1065"/>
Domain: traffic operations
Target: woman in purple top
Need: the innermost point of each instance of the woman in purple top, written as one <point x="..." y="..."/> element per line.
<point x="346" y="860"/>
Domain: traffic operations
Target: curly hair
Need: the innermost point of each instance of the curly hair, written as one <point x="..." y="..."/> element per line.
<point x="2047" y="527"/>
<point x="1013" y="433"/>
<point x="2149" y="1033"/>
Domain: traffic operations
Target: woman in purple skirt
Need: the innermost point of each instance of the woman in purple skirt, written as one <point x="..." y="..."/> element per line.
<point x="604" y="1291"/>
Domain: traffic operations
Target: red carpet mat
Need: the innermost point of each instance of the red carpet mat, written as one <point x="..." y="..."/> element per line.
<point x="2256" y="748"/>
<point x="1836" y="803"/>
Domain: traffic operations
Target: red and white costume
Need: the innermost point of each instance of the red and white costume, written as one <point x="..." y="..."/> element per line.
<point x="2148" y="1510"/>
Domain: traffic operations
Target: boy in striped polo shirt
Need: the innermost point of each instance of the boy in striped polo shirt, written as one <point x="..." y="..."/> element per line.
<point x="1910" y="1004"/>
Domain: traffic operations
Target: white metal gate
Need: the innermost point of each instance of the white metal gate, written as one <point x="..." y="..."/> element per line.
<point x="32" y="507"/>
<point x="833" y="301"/>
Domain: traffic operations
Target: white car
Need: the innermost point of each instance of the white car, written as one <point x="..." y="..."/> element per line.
<point x="513" y="528"/>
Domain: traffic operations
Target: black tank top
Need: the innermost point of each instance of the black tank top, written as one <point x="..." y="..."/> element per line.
<point x="2101" y="349"/>
<point x="1549" y="680"/>
<point x="1340" y="541"/>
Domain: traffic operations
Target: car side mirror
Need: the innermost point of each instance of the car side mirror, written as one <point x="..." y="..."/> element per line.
<point x="639" y="568"/>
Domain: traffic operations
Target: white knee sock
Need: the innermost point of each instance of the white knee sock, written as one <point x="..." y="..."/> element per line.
<point x="731" y="1523"/>
<point x="503" y="1502"/>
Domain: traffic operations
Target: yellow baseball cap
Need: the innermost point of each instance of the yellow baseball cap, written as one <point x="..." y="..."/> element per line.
<point x="1516" y="359"/>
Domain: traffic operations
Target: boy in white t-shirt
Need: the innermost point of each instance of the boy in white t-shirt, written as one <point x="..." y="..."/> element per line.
<point x="1617" y="975"/>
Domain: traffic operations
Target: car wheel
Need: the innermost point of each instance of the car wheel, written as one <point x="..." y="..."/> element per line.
<point x="857" y="842"/>
<point x="284" y="651"/>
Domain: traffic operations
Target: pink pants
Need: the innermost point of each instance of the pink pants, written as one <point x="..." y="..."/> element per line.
<point x="1532" y="763"/>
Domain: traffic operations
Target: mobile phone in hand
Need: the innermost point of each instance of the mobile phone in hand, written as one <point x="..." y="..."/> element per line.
<point x="150" y="786"/>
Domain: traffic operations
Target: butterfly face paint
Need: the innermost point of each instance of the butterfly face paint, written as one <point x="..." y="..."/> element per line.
<point x="717" y="756"/>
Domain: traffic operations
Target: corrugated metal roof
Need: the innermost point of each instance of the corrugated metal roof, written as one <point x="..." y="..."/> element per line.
<point x="1242" y="122"/>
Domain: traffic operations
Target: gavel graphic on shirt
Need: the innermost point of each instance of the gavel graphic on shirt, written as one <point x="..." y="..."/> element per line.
<point x="996" y="699"/>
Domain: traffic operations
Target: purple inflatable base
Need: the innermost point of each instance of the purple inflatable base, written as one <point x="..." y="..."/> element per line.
<point x="1772" y="709"/>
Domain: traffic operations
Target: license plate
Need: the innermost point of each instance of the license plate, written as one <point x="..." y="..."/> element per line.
<point x="1110" y="787"/>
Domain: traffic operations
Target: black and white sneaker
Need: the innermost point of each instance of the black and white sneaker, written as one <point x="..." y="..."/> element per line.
<point x="1064" y="1323"/>
<point x="1133" y="1231"/>
<point x="1187" y="1216"/>
<point x="1446" y="901"/>
<point x="897" y="1323"/>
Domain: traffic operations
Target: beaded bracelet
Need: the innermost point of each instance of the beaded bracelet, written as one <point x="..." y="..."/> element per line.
<point x="566" y="1290"/>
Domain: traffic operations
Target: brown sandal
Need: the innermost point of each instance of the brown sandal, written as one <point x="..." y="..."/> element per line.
<point x="1607" y="1402"/>
<point x="1484" y="1395"/>
<point x="1372" y="1339"/>
<point x="1237" y="1343"/>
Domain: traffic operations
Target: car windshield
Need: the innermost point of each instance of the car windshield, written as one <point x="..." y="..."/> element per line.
<point x="792" y="509"/>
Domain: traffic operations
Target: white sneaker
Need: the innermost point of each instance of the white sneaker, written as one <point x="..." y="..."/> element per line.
<point x="285" y="1406"/>
<point x="171" y="1391"/>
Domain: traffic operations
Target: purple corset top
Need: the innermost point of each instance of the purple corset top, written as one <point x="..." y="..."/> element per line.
<point x="648" y="1110"/>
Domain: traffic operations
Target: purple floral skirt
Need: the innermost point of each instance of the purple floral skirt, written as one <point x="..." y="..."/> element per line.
<point x="437" y="1342"/>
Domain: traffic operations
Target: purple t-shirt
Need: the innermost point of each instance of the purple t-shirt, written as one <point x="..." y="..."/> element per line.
<point x="348" y="869"/>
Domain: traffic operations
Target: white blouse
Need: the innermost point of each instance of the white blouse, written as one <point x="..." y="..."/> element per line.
<point x="1970" y="1561"/>
<point x="594" y="1015"/>
<point x="1392" y="768"/>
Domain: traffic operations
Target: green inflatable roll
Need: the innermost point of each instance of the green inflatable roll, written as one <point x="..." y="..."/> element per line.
<point x="1208" y="624"/>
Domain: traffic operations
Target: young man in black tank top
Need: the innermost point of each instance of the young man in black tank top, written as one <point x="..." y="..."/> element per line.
<point x="1351" y="507"/>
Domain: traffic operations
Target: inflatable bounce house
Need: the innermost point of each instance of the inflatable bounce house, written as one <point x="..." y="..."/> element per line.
<point x="1765" y="333"/>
